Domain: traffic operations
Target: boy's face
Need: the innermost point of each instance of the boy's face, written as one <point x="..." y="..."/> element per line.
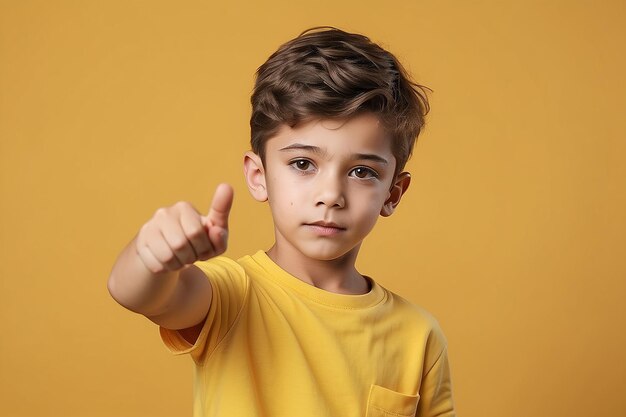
<point x="326" y="183"/>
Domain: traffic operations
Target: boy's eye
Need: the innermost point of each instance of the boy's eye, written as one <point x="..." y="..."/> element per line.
<point x="301" y="164"/>
<point x="363" y="172"/>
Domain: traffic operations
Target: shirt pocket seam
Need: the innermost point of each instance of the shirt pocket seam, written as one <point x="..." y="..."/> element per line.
<point x="384" y="400"/>
<point x="386" y="411"/>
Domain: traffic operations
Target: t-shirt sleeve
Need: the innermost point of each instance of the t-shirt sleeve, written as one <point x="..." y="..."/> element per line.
<point x="229" y="285"/>
<point x="436" y="387"/>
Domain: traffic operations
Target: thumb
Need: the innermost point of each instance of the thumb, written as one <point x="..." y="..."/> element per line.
<point x="220" y="206"/>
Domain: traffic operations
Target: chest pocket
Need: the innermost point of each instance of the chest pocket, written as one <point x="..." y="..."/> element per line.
<point x="383" y="402"/>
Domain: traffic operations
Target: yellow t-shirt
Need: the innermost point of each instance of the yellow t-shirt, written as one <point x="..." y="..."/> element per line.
<point x="275" y="346"/>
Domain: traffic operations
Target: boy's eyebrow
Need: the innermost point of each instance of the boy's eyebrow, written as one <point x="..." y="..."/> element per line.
<point x="321" y="152"/>
<point x="371" y="157"/>
<point x="301" y="147"/>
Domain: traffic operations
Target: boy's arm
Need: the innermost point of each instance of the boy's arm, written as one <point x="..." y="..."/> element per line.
<point x="153" y="275"/>
<point x="436" y="390"/>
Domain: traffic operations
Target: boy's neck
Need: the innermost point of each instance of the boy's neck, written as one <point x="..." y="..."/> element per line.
<point x="337" y="275"/>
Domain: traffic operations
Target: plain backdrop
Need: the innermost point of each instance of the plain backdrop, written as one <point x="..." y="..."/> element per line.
<point x="513" y="232"/>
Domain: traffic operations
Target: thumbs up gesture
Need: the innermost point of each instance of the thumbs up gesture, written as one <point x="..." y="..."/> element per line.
<point x="179" y="235"/>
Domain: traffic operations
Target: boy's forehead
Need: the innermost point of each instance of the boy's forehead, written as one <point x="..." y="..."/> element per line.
<point x="364" y="130"/>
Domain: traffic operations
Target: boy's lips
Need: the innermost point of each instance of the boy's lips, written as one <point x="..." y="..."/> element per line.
<point x="325" y="228"/>
<point x="322" y="223"/>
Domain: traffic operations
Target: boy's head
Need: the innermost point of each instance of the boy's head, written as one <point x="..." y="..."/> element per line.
<point x="326" y="73"/>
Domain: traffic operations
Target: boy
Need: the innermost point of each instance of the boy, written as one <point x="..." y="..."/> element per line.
<point x="297" y="330"/>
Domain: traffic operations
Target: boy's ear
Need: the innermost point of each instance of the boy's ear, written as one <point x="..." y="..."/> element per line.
<point x="255" y="176"/>
<point x="398" y="188"/>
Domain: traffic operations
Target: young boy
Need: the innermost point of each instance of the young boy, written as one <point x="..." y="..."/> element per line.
<point x="297" y="330"/>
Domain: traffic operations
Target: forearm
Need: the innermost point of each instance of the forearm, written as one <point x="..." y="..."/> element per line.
<point x="137" y="288"/>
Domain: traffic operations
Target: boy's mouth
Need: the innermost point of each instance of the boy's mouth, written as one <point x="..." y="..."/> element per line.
<point x="323" y="228"/>
<point x="329" y="225"/>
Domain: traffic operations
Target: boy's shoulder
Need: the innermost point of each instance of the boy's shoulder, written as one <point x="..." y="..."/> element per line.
<point x="415" y="314"/>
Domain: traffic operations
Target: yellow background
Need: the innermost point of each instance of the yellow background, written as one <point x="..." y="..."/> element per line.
<point x="513" y="232"/>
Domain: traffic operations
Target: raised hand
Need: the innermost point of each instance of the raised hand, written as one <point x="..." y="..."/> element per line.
<point x="179" y="235"/>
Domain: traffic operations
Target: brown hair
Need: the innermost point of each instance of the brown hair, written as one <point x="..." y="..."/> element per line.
<point x="328" y="73"/>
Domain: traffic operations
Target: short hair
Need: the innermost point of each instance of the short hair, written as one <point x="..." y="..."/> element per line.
<point x="328" y="73"/>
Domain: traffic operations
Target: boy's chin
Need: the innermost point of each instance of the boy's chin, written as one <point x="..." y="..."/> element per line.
<point x="329" y="254"/>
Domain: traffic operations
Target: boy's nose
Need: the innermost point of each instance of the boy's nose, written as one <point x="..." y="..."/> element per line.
<point x="330" y="193"/>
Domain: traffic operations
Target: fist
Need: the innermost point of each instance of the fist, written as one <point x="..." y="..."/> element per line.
<point x="179" y="235"/>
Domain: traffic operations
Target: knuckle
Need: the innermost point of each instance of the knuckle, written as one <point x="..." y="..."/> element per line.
<point x="197" y="233"/>
<point x="158" y="269"/>
<point x="167" y="257"/>
<point x="172" y="262"/>
<point x="145" y="228"/>
<point x="141" y="234"/>
<point x="179" y="243"/>
<point x="160" y="213"/>
<point x="182" y="205"/>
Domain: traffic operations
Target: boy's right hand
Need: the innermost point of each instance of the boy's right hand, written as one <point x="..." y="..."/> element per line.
<point x="179" y="235"/>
